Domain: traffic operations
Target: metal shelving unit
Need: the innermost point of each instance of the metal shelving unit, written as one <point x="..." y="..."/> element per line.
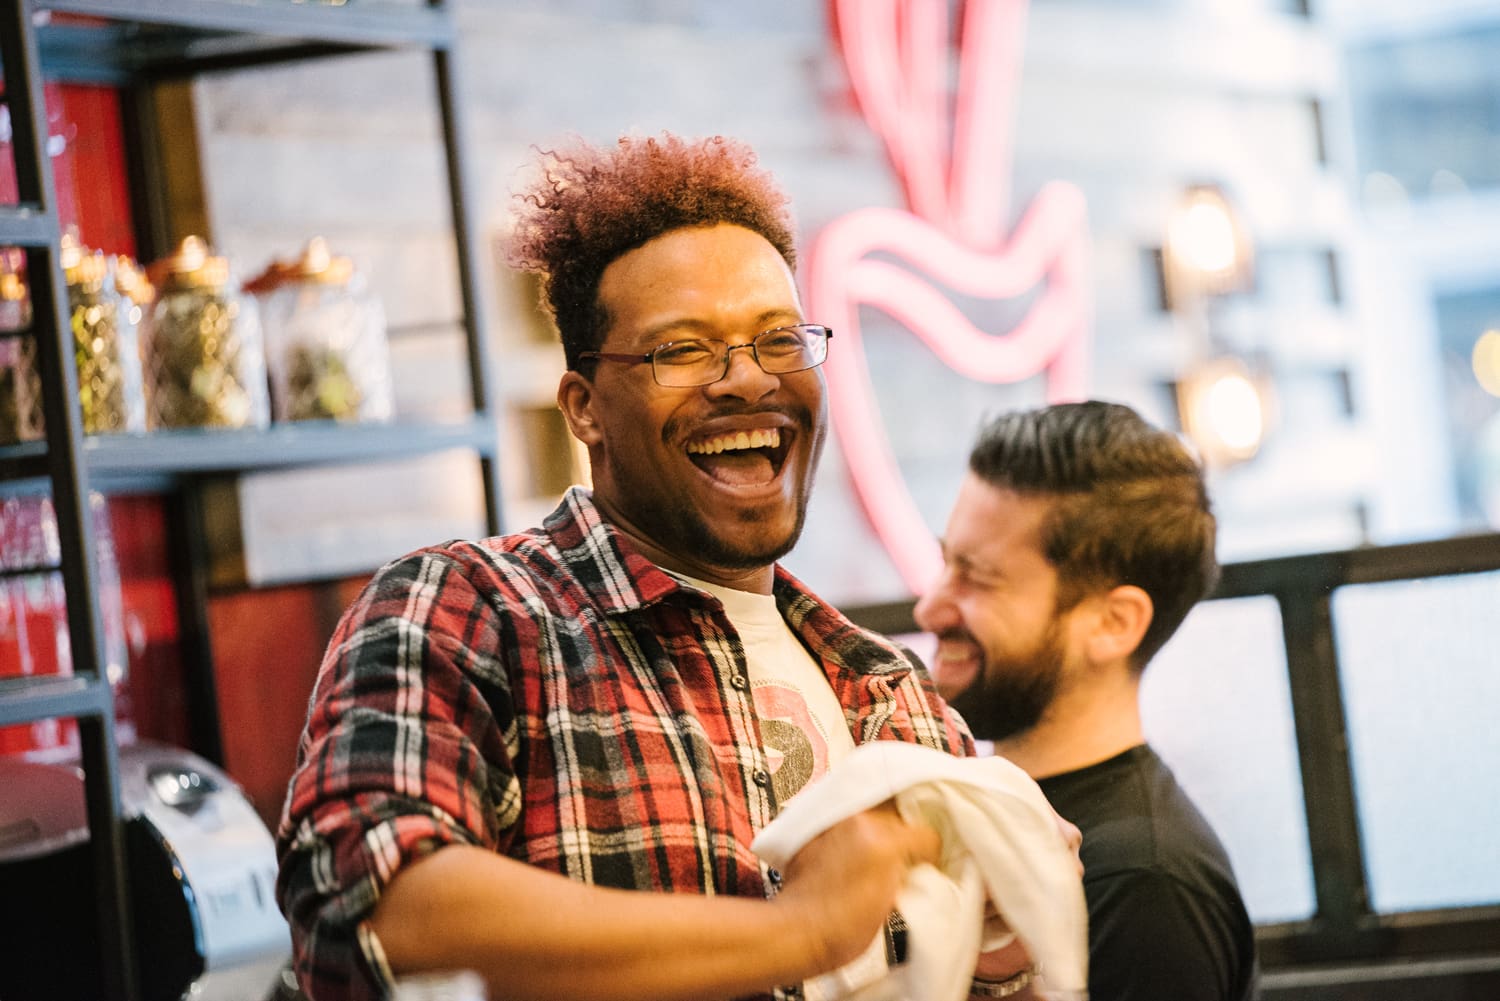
<point x="134" y="45"/>
<point x="33" y="226"/>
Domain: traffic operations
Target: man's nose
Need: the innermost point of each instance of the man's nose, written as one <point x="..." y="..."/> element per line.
<point x="933" y="612"/>
<point x="744" y="378"/>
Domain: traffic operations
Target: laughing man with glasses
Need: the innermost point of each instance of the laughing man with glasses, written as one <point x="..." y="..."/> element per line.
<point x="544" y="756"/>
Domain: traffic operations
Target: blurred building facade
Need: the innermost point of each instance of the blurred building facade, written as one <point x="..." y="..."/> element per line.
<point x="1133" y="103"/>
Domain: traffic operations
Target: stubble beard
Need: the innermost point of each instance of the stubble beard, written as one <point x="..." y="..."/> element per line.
<point x="706" y="545"/>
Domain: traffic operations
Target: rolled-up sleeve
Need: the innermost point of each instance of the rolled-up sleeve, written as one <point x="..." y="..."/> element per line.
<point x="405" y="751"/>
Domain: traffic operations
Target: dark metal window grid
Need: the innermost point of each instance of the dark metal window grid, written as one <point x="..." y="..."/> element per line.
<point x="1343" y="930"/>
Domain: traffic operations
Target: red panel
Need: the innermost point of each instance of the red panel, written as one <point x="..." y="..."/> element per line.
<point x="8" y="193"/>
<point x="268" y="644"/>
<point x="87" y="142"/>
<point x="33" y="643"/>
<point x="153" y="691"/>
<point x="92" y="190"/>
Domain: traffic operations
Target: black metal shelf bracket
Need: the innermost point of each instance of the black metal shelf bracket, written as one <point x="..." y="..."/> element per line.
<point x="26" y="700"/>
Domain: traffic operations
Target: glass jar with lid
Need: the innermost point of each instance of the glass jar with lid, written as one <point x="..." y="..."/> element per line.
<point x="326" y="350"/>
<point x="106" y="296"/>
<point x="205" y="362"/>
<point x="20" y="383"/>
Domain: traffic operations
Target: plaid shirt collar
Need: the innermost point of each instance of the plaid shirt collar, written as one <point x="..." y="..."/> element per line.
<point x="620" y="581"/>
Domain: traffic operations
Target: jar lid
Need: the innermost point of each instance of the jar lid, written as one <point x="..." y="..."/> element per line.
<point x="72" y="249"/>
<point x="192" y="266"/>
<point x="82" y="267"/>
<point x="315" y="266"/>
<point x="130" y="280"/>
<point x="12" y="284"/>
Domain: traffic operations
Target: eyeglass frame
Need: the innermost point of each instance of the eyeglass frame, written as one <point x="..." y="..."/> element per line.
<point x="729" y="349"/>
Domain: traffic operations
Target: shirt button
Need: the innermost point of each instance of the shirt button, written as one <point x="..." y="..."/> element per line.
<point x="740" y="681"/>
<point x="761" y="777"/>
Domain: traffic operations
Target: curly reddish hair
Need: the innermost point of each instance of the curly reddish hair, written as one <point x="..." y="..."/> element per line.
<point x="592" y="204"/>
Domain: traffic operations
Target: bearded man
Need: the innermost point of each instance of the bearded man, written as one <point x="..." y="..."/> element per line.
<point x="1080" y="539"/>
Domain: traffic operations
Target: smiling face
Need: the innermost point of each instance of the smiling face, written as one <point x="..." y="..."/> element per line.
<point x="1003" y="647"/>
<point x="713" y="480"/>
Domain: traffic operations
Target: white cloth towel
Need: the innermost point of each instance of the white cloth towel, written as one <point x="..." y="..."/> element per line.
<point x="1000" y="843"/>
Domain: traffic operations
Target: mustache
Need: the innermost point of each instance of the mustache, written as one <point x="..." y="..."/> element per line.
<point x="800" y="416"/>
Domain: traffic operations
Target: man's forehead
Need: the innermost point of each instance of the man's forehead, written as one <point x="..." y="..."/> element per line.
<point x="993" y="520"/>
<point x="699" y="277"/>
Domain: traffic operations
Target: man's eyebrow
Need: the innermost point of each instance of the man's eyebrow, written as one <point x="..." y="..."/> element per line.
<point x="667" y="328"/>
<point x="770" y="319"/>
<point x="949" y="556"/>
<point x="968" y="564"/>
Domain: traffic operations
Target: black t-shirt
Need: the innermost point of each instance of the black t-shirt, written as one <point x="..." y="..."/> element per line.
<point x="1166" y="921"/>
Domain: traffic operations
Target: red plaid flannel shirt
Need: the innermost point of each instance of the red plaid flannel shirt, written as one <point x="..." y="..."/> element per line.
<point x="539" y="694"/>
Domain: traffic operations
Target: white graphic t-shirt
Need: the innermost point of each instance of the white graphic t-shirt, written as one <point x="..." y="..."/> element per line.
<point x="801" y="721"/>
<point x="803" y="728"/>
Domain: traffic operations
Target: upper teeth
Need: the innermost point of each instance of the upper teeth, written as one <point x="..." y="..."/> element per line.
<point x="768" y="438"/>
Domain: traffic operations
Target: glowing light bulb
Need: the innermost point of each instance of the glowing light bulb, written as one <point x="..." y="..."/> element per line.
<point x="1205" y="249"/>
<point x="1203" y="237"/>
<point x="1232" y="412"/>
<point x="1225" y="411"/>
<point x="1486" y="361"/>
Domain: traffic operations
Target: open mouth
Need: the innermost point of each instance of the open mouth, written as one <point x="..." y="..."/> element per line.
<point x="742" y="458"/>
<point x="955" y="664"/>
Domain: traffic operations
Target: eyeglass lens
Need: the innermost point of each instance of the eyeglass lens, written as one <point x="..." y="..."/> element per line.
<point x="778" y="351"/>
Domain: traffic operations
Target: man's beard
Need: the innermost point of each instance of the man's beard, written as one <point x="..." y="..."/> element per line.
<point x="709" y="546"/>
<point x="700" y="539"/>
<point x="1010" y="696"/>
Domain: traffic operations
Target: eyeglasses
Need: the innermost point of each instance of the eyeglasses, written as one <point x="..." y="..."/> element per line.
<point x="685" y="364"/>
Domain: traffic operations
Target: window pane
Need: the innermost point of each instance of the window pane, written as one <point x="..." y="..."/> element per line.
<point x="1424" y="111"/>
<point x="1217" y="708"/>
<point x="1419" y="663"/>
<point x="1468" y="324"/>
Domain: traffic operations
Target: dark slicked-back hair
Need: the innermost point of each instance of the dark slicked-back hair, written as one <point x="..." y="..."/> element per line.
<point x="1129" y="505"/>
<point x="592" y="204"/>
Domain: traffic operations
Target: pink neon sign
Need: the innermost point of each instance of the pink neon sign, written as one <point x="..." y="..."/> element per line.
<point x="958" y="192"/>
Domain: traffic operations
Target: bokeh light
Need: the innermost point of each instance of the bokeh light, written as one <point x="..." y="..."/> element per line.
<point x="1486" y="361"/>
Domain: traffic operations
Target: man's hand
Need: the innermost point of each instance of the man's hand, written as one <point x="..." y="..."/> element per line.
<point x="1004" y="962"/>
<point x="1072" y="836"/>
<point x="1011" y="958"/>
<point x="845" y="881"/>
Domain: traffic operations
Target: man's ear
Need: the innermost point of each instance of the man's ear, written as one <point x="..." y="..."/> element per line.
<point x="575" y="398"/>
<point x="1124" y="615"/>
